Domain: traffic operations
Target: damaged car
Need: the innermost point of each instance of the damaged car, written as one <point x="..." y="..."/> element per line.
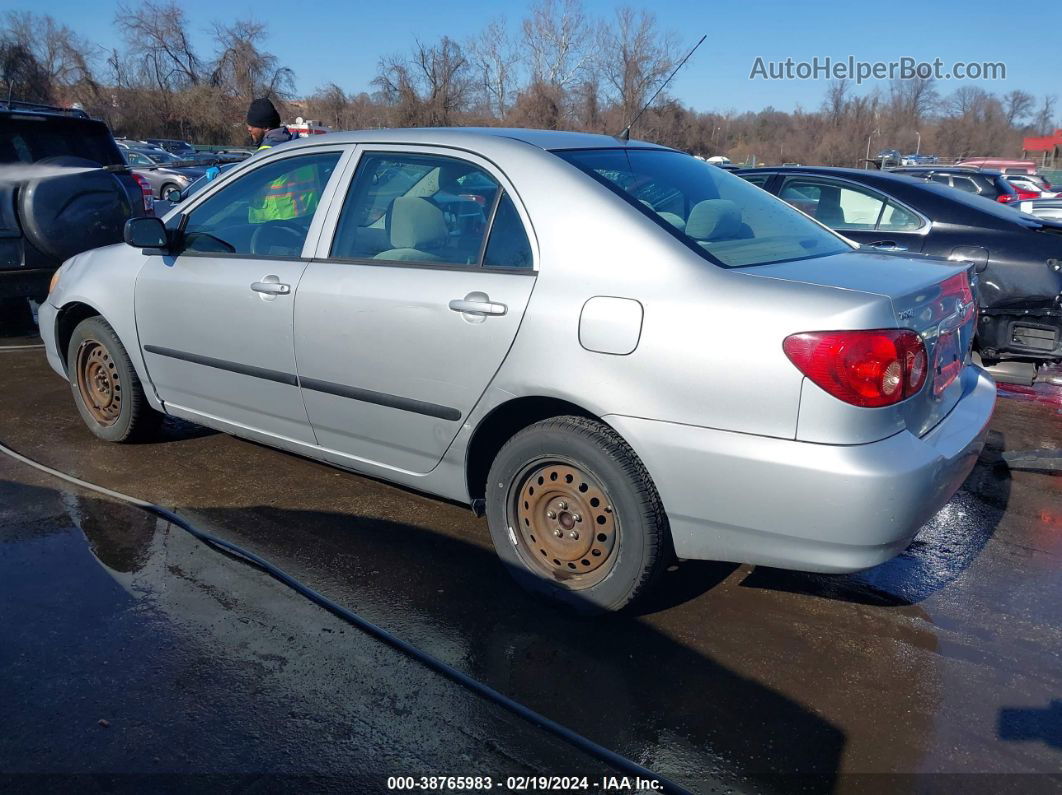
<point x="1018" y="257"/>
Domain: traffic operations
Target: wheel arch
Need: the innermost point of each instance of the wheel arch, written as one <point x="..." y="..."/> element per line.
<point x="66" y="320"/>
<point x="500" y="425"/>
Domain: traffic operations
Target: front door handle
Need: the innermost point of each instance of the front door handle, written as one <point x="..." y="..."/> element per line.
<point x="271" y="285"/>
<point x="478" y="304"/>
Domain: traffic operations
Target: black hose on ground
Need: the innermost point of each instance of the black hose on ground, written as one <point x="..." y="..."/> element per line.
<point x="584" y="744"/>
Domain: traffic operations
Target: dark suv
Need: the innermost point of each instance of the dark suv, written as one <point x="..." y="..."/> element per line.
<point x="64" y="188"/>
<point x="989" y="184"/>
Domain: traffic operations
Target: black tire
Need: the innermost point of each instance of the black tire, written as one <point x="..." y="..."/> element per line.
<point x="637" y="544"/>
<point x="167" y="188"/>
<point x="117" y="411"/>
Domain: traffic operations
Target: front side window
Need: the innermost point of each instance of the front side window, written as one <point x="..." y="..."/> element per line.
<point x="722" y="217"/>
<point x="266" y="212"/>
<point x="405" y="207"/>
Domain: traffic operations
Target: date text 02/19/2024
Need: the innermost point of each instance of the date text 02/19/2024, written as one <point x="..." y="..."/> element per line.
<point x="521" y="783"/>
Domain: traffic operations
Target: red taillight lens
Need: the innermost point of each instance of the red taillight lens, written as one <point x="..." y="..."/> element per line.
<point x="145" y="192"/>
<point x="864" y="368"/>
<point x="1026" y="195"/>
<point x="1006" y="198"/>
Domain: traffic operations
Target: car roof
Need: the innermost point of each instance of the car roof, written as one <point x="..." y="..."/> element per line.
<point x="862" y="172"/>
<point x="470" y="137"/>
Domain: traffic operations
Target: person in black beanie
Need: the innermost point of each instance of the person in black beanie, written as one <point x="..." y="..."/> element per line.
<point x="264" y="127"/>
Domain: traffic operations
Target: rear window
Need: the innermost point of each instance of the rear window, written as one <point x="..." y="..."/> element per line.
<point x="29" y="138"/>
<point x="720" y="216"/>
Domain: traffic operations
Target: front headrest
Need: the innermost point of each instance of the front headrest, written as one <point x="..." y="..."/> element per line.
<point x="417" y="223"/>
<point x="713" y="219"/>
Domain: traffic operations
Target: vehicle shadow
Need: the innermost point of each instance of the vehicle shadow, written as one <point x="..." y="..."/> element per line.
<point x="943" y="549"/>
<point x="614" y="679"/>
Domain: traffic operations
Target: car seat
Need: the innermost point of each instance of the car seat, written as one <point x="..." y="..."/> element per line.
<point x="417" y="230"/>
<point x="715" y="219"/>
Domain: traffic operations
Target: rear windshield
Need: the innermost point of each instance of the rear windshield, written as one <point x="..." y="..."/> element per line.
<point x="725" y="219"/>
<point x="29" y="138"/>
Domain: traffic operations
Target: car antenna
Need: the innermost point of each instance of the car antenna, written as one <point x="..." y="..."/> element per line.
<point x="626" y="134"/>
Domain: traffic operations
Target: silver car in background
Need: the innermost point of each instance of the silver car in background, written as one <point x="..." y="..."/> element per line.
<point x="617" y="352"/>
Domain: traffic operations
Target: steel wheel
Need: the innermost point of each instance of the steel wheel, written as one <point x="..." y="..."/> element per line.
<point x="98" y="382"/>
<point x="566" y="524"/>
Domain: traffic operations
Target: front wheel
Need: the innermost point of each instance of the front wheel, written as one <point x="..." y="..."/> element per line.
<point x="575" y="516"/>
<point x="107" y="392"/>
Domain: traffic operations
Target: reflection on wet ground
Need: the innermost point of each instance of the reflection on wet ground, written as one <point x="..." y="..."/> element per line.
<point x="944" y="660"/>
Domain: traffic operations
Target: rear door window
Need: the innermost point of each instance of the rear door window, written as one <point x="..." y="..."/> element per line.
<point x="964" y="183"/>
<point x="836" y="205"/>
<point x="428" y="209"/>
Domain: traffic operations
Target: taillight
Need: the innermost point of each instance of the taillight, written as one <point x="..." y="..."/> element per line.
<point x="864" y="368"/>
<point x="1006" y="198"/>
<point x="1026" y="195"/>
<point x="145" y="192"/>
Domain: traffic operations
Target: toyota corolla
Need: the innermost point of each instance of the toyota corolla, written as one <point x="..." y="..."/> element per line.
<point x="617" y="352"/>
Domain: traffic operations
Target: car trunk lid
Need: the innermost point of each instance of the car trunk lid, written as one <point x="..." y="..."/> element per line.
<point x="930" y="296"/>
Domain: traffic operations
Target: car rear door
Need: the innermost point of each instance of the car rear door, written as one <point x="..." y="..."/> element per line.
<point x="215" y="317"/>
<point x="862" y="214"/>
<point x="420" y="282"/>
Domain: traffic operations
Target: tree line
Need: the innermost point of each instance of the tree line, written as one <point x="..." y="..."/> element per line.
<point x="558" y="67"/>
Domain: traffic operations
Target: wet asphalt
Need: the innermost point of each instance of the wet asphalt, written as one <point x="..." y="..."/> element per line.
<point x="131" y="653"/>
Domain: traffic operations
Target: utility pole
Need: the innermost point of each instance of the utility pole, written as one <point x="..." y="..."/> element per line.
<point x="866" y="163"/>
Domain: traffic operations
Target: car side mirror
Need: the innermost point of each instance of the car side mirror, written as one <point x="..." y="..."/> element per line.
<point x="147" y="232"/>
<point x="173" y="196"/>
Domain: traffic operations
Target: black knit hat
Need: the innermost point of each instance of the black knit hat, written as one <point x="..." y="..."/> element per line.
<point x="262" y="114"/>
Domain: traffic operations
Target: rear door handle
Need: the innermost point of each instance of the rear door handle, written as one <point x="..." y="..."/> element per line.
<point x="271" y="287"/>
<point x="477" y="304"/>
<point x="887" y="245"/>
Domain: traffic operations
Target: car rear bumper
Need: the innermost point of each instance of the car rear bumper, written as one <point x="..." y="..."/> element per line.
<point x="812" y="507"/>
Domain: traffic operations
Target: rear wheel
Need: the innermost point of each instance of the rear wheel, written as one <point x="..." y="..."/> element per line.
<point x="107" y="392"/>
<point x="575" y="516"/>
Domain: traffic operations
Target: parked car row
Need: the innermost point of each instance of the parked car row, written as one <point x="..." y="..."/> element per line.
<point x="1018" y="257"/>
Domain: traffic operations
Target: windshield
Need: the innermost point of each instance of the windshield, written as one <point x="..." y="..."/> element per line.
<point x="725" y="219"/>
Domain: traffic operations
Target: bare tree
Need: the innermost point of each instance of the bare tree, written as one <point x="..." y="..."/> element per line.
<point x="494" y="58"/>
<point x="911" y="100"/>
<point x="557" y="37"/>
<point x="1045" y="117"/>
<point x="1018" y="105"/>
<point x="431" y="87"/>
<point x="330" y="104"/>
<point x="635" y="58"/>
<point x="243" y="69"/>
<point x="157" y="32"/>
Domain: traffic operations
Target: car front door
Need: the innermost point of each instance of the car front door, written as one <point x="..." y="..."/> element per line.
<point x="415" y="297"/>
<point x="215" y="315"/>
<point x="862" y="214"/>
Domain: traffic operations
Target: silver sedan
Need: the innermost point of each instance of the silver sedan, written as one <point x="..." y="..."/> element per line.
<point x="617" y="352"/>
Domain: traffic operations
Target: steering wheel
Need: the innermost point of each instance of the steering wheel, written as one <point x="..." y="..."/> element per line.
<point x="277" y="233"/>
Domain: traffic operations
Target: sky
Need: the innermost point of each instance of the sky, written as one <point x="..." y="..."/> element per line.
<point x="327" y="41"/>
